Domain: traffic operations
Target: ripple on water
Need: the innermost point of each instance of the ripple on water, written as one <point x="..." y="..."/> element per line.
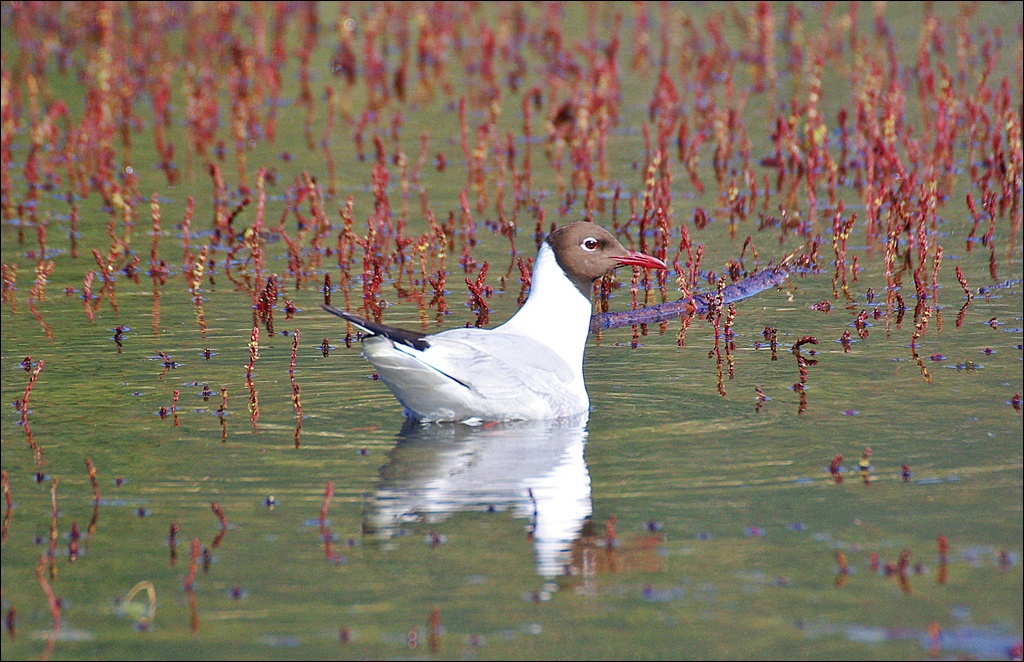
<point x="64" y="634"/>
<point x="986" y="643"/>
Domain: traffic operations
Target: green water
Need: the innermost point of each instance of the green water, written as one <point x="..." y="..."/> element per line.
<point x="496" y="542"/>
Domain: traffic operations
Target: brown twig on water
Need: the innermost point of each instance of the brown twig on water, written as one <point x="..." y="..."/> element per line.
<point x="435" y="629"/>
<point x="835" y="468"/>
<point x="325" y="532"/>
<point x="844" y="569"/>
<point x="7" y="506"/>
<point x="37" y="452"/>
<point x="803" y="363"/>
<point x="328" y="495"/>
<point x="192" y="565"/>
<point x="219" y="512"/>
<point x="52" y="600"/>
<point x="43" y="271"/>
<point x="254" y="355"/>
<point x="91" y="469"/>
<point x="172" y="543"/>
<point x="10" y="279"/>
<point x="222" y="413"/>
<point x="296" y="403"/>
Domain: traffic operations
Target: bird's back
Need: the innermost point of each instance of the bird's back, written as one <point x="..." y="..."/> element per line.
<point x="470" y="373"/>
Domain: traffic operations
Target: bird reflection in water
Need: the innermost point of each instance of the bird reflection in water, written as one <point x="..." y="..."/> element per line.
<point x="535" y="469"/>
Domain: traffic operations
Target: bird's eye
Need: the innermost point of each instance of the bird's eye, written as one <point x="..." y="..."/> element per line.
<point x="589" y="244"/>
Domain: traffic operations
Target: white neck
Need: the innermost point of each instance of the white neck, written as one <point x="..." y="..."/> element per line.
<point x="556" y="313"/>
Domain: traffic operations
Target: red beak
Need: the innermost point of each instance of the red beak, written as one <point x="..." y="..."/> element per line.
<point x="635" y="259"/>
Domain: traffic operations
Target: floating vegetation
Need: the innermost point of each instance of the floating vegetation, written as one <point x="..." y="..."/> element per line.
<point x="845" y="177"/>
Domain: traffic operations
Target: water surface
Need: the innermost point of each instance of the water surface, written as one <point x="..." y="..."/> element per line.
<point x="686" y="517"/>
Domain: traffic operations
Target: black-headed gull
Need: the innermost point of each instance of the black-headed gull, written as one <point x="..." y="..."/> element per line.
<point x="530" y="367"/>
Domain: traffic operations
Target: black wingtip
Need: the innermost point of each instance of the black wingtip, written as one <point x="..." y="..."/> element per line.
<point x="343" y="314"/>
<point x="413" y="339"/>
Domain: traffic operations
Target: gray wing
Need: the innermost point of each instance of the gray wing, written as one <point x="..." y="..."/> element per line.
<point x="466" y="373"/>
<point x="493" y="363"/>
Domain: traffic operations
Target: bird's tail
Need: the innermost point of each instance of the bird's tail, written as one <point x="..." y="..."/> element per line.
<point x="413" y="339"/>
